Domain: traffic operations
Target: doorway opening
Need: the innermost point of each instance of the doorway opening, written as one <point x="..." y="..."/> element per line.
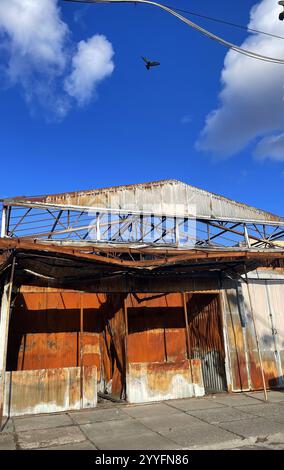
<point x="206" y="339"/>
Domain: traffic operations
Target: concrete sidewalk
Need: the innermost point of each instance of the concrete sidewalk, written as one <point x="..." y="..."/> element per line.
<point x="238" y="421"/>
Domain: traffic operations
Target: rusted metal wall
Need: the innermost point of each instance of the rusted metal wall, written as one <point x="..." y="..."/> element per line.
<point x="49" y="391"/>
<point x="268" y="305"/>
<point x="237" y="349"/>
<point x="157" y="350"/>
<point x="45" y="333"/>
<point x="276" y="304"/>
<point x="113" y="366"/>
<point x="45" y="330"/>
<point x="206" y="339"/>
<point x="156" y="328"/>
<point x="154" y="381"/>
<point x="267" y="297"/>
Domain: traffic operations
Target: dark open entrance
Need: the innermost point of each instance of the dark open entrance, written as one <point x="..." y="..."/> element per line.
<point x="206" y="339"/>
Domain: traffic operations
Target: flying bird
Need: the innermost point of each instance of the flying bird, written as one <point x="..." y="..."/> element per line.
<point x="281" y="16"/>
<point x="150" y="63"/>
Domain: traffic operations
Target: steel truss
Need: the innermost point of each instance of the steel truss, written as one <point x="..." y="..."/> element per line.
<point x="73" y="224"/>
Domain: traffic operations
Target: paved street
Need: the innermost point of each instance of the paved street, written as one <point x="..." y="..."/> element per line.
<point x="239" y="421"/>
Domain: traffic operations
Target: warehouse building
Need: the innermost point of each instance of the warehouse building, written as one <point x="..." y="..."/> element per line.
<point x="138" y="293"/>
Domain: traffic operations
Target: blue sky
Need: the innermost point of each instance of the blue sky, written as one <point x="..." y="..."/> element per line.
<point x="142" y="126"/>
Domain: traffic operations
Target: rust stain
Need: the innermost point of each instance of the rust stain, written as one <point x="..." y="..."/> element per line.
<point x="160" y="375"/>
<point x="269" y="368"/>
<point x="44" y="331"/>
<point x="47" y="391"/>
<point x="158" y="381"/>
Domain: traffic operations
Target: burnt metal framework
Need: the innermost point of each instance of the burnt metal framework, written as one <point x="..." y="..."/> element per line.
<point x="65" y="224"/>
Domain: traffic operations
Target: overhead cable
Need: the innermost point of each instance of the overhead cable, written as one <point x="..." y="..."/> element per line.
<point x="205" y="32"/>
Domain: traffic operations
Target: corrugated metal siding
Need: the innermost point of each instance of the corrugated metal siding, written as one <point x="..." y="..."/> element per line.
<point x="236" y="340"/>
<point x="157" y="333"/>
<point x="268" y="304"/>
<point x="206" y="340"/>
<point x="164" y="197"/>
<point x="49" y="391"/>
<point x="267" y="298"/>
<point x="45" y="331"/>
<point x="156" y="326"/>
<point x="113" y="345"/>
<point x="276" y="297"/>
<point x="147" y="382"/>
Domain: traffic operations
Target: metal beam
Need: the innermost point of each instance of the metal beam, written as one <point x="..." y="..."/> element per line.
<point x="45" y="205"/>
<point x="4" y="222"/>
<point x="55" y="223"/>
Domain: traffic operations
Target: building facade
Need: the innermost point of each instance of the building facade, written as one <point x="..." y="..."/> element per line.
<point x="137" y="293"/>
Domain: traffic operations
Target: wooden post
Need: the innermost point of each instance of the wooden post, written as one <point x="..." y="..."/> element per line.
<point x="81" y="349"/>
<point x="256" y="337"/>
<point x="188" y="339"/>
<point x="126" y="343"/>
<point x="4" y="331"/>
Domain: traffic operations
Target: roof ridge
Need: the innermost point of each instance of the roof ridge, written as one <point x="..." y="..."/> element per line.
<point x="86" y="192"/>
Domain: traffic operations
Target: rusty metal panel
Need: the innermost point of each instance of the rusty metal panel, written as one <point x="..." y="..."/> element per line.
<point x="175" y="339"/>
<point x="49" y="391"/>
<point x="275" y="292"/>
<point x="45" y="330"/>
<point x="91" y="349"/>
<point x="148" y="382"/>
<point x="264" y="326"/>
<point x="112" y="341"/>
<point x="90" y="392"/>
<point x="206" y="339"/>
<point x="237" y="342"/>
<point x="163" y="197"/>
<point x="146" y="346"/>
<point x="156" y="328"/>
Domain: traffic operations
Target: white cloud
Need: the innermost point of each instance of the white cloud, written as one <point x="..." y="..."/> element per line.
<point x="91" y="64"/>
<point x="36" y="54"/>
<point x="251" y="100"/>
<point x="271" y="147"/>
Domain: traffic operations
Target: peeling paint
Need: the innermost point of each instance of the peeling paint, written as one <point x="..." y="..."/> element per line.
<point x="49" y="390"/>
<point x="147" y="382"/>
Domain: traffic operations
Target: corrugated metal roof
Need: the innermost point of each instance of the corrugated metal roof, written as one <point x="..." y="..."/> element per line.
<point x="161" y="197"/>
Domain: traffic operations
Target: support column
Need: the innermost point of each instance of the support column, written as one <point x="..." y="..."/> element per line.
<point x="98" y="229"/>
<point x="125" y="307"/>
<point x="3" y="222"/>
<point x="188" y="339"/>
<point x="247" y="239"/>
<point x="81" y="350"/>
<point x="4" y="331"/>
<point x="177" y="230"/>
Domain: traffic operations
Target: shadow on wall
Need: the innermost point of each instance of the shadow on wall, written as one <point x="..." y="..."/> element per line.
<point x="277" y="382"/>
<point x="243" y="345"/>
<point x="42" y="333"/>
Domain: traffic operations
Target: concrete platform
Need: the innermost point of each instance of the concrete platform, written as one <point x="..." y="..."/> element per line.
<point x="239" y="421"/>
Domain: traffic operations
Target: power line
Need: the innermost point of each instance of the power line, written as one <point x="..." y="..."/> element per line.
<point x="195" y="26"/>
<point x="229" y="23"/>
